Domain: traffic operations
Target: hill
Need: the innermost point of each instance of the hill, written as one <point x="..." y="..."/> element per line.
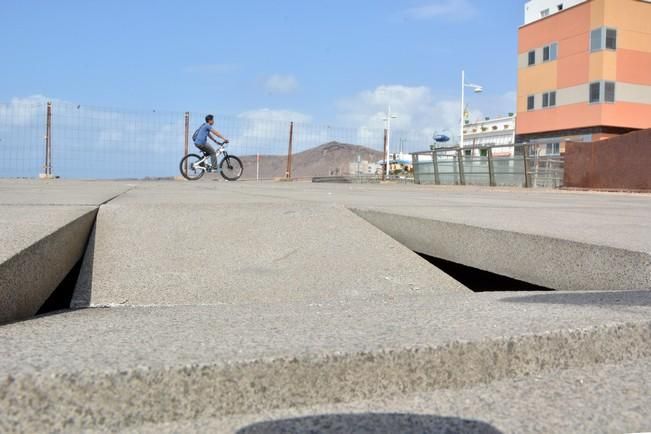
<point x="331" y="158"/>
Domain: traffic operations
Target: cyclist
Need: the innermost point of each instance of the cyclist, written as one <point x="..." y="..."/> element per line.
<point x="205" y="132"/>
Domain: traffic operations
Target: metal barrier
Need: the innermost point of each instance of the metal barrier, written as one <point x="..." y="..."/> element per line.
<point x="528" y="165"/>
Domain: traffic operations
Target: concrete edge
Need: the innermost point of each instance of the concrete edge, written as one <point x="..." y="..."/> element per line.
<point x="39" y="402"/>
<point x="550" y="262"/>
<point x="29" y="277"/>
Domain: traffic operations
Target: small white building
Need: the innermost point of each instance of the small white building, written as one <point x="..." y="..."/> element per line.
<point x="535" y="10"/>
<point x="490" y="132"/>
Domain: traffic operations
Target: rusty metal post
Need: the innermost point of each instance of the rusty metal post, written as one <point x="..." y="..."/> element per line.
<point x="414" y="165"/>
<point x="386" y="155"/>
<point x="48" y="141"/>
<point x="435" y="162"/>
<point x="288" y="174"/>
<point x="491" y="168"/>
<point x="186" y="139"/>
<point x="462" y="175"/>
<point x="525" y="151"/>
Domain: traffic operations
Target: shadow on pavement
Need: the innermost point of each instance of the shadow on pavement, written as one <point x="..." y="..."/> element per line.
<point x="605" y="298"/>
<point x="379" y="423"/>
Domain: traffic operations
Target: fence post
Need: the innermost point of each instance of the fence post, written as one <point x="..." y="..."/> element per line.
<point x="435" y="162"/>
<point x="288" y="174"/>
<point x="47" y="166"/>
<point x="491" y="168"/>
<point x="186" y="145"/>
<point x="386" y="155"/>
<point x="462" y="176"/>
<point x="525" y="151"/>
<point x="414" y="164"/>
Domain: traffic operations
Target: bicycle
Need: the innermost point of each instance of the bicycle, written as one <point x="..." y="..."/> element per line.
<point x="193" y="166"/>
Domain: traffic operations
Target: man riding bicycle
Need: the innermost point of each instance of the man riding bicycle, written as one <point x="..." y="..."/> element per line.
<point x="205" y="132"/>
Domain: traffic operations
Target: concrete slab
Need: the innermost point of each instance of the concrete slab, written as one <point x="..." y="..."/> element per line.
<point x="39" y="245"/>
<point x="555" y="263"/>
<point x="173" y="363"/>
<point x="591" y="400"/>
<point x="59" y="192"/>
<point x="171" y="254"/>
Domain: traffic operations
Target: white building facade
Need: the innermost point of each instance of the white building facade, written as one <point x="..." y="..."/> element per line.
<point x="535" y="10"/>
<point x="499" y="132"/>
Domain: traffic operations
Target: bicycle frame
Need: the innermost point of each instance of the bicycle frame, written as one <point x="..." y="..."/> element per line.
<point x="201" y="164"/>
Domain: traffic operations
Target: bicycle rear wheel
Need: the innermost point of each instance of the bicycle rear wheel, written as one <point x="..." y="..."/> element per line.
<point x="190" y="169"/>
<point x="231" y="168"/>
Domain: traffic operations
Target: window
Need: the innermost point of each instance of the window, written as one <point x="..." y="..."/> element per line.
<point x="531" y="102"/>
<point x="550" y="52"/>
<point x="602" y="91"/>
<point x="595" y="40"/>
<point x="544" y="13"/>
<point x="532" y="57"/>
<point x="553" y="149"/>
<point x="609" y="91"/>
<point x="611" y="39"/>
<point x="595" y="92"/>
<point x="549" y="99"/>
<point x="603" y="38"/>
<point x="560" y="7"/>
<point x="483" y="152"/>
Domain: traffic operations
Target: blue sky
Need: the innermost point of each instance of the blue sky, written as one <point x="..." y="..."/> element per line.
<point x="331" y="61"/>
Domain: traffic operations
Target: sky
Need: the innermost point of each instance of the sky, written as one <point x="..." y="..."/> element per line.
<point x="331" y="62"/>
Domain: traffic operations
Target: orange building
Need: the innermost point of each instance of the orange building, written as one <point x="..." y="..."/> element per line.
<point x="584" y="72"/>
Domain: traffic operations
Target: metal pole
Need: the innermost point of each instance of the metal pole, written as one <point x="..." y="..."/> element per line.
<point x="257" y="167"/>
<point x="288" y="174"/>
<point x="491" y="168"/>
<point x="186" y="144"/>
<point x="48" y="141"/>
<point x="414" y="164"/>
<point x="388" y="138"/>
<point x="525" y="151"/>
<point x="463" y="108"/>
<point x="386" y="156"/>
<point x="435" y="161"/>
<point x="462" y="176"/>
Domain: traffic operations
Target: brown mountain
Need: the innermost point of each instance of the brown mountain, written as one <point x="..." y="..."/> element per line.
<point x="331" y="158"/>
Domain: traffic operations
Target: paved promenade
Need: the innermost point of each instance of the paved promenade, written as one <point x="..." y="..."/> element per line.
<point x="284" y="307"/>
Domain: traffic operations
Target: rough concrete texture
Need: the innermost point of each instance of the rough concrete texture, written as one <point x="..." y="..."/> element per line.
<point x="258" y="346"/>
<point x="38" y="247"/>
<point x="168" y="254"/>
<point x="598" y="399"/>
<point x="174" y="363"/>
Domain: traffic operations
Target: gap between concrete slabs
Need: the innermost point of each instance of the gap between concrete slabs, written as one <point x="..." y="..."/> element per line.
<point x="550" y="262"/>
<point x="147" y="395"/>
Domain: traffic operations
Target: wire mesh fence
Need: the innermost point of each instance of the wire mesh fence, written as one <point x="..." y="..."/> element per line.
<point x="88" y="142"/>
<point x="522" y="165"/>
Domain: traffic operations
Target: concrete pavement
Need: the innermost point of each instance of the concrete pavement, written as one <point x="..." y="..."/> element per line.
<point x="44" y="226"/>
<point x="315" y="311"/>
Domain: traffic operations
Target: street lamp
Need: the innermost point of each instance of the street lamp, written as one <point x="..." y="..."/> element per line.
<point x="388" y="118"/>
<point x="477" y="89"/>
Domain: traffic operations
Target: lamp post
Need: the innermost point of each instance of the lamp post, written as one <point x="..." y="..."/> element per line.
<point x="477" y="89"/>
<point x="388" y="121"/>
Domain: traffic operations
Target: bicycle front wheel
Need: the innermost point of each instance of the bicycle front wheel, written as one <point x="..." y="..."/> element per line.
<point x="190" y="167"/>
<point x="231" y="168"/>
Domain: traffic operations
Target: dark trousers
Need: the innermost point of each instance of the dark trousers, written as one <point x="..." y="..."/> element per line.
<point x="210" y="151"/>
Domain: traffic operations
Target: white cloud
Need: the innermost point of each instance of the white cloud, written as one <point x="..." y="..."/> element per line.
<point x="22" y="111"/>
<point x="275" y="115"/>
<point x="279" y="83"/>
<point x="445" y="9"/>
<point x="419" y="112"/>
